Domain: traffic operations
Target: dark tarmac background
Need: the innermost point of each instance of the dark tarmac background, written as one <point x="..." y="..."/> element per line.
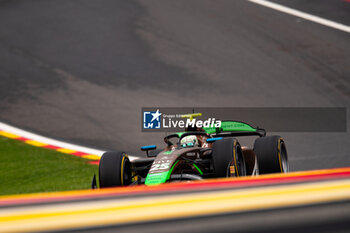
<point x="81" y="70"/>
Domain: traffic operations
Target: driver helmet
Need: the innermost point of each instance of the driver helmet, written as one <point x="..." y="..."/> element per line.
<point x="189" y="141"/>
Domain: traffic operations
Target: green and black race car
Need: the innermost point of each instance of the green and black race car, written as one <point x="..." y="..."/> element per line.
<point x="196" y="154"/>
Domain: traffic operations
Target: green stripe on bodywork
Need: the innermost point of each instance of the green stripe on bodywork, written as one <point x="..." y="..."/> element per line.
<point x="227" y="126"/>
<point x="199" y="170"/>
<point x="171" y="170"/>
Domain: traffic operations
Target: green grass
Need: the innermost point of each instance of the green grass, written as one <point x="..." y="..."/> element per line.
<point x="30" y="169"/>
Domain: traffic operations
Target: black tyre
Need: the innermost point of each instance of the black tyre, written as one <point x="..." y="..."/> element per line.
<point x="114" y="170"/>
<point x="271" y="153"/>
<point x="228" y="158"/>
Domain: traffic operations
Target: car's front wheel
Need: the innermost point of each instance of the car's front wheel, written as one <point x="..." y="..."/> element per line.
<point x="271" y="153"/>
<point x="228" y="158"/>
<point x="114" y="169"/>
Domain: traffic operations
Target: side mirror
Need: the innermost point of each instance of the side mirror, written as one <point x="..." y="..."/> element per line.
<point x="148" y="148"/>
<point x="214" y="139"/>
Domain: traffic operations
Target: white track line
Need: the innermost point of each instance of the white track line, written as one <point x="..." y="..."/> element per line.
<point x="32" y="136"/>
<point x="303" y="15"/>
<point x="50" y="141"/>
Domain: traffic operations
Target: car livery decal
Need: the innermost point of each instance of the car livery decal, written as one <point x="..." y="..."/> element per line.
<point x="164" y="164"/>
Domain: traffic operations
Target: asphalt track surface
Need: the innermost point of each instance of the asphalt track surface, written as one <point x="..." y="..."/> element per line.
<point x="81" y="71"/>
<point x="297" y="219"/>
<point x="316" y="201"/>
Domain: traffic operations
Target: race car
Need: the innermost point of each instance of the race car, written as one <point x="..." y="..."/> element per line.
<point x="196" y="154"/>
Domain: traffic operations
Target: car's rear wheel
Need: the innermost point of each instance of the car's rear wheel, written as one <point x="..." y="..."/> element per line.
<point x="228" y="158"/>
<point x="271" y="153"/>
<point x="114" y="169"/>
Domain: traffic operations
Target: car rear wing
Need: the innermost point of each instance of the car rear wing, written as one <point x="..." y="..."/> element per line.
<point x="227" y="129"/>
<point x="234" y="128"/>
